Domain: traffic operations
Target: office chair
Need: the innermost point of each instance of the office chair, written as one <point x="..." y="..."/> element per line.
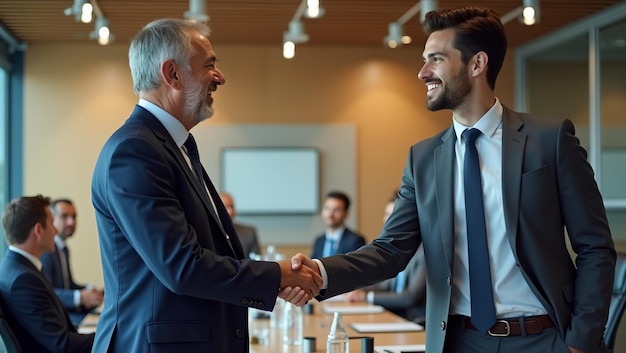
<point x="8" y="342"/>
<point x="618" y="301"/>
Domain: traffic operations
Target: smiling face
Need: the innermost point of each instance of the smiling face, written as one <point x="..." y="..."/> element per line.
<point x="444" y="72"/>
<point x="201" y="80"/>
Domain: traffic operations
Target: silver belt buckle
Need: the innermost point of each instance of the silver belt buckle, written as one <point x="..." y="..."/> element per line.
<point x="506" y="325"/>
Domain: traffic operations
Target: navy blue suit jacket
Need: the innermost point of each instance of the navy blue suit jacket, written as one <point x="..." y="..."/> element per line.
<point x="53" y="271"/>
<point x="174" y="282"/>
<point x="349" y="241"/>
<point x="34" y="312"/>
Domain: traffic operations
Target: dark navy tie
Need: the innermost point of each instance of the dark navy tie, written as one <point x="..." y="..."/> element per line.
<point x="481" y="289"/>
<point x="194" y="157"/>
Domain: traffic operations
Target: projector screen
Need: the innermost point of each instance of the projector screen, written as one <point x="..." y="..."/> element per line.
<point x="271" y="180"/>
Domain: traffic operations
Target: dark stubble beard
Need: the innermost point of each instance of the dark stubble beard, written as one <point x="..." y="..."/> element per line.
<point x="454" y="94"/>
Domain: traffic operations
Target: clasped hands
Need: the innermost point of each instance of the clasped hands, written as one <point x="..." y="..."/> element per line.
<point x="300" y="279"/>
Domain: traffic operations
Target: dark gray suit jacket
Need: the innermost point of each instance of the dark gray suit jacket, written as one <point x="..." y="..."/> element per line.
<point x="410" y="302"/>
<point x="247" y="237"/>
<point x="34" y="312"/>
<point x="548" y="187"/>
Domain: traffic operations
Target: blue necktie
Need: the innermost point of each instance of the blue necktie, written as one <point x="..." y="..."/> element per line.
<point x="481" y="289"/>
<point x="400" y="279"/>
<point x="330" y="247"/>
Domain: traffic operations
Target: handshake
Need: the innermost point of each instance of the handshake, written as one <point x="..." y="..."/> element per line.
<point x="300" y="279"/>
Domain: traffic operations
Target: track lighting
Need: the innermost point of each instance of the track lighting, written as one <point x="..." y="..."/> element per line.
<point x="197" y="11"/>
<point x="313" y="9"/>
<point x="529" y="13"/>
<point x="295" y="35"/>
<point x="395" y="36"/>
<point x="102" y="32"/>
<point x="82" y="11"/>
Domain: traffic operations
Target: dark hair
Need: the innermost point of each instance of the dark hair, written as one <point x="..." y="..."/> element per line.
<point x="54" y="203"/>
<point x="340" y="196"/>
<point x="21" y="215"/>
<point x="476" y="30"/>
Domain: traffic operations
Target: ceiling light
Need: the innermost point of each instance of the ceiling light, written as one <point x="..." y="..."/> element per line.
<point x="82" y="11"/>
<point x="289" y="49"/>
<point x="197" y="11"/>
<point x="313" y="9"/>
<point x="295" y="35"/>
<point x="528" y="13"/>
<point x="395" y="37"/>
<point x="102" y="32"/>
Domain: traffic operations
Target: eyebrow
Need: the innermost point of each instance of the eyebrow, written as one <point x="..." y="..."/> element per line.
<point x="430" y="55"/>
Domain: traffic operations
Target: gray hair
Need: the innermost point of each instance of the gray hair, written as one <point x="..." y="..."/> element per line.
<point x="158" y="41"/>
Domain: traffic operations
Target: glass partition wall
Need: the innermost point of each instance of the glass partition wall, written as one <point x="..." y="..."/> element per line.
<point x="579" y="72"/>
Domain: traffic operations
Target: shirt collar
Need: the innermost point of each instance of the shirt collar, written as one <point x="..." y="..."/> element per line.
<point x="60" y="243"/>
<point x="30" y="257"/>
<point x="488" y="123"/>
<point x="174" y="127"/>
<point x="336" y="235"/>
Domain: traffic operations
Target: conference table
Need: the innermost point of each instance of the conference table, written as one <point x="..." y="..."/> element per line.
<point x="317" y="324"/>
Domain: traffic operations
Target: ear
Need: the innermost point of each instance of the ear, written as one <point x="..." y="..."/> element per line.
<point x="478" y="64"/>
<point x="37" y="230"/>
<point x="170" y="74"/>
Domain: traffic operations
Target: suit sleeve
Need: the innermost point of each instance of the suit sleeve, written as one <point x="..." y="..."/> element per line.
<point x="33" y="309"/>
<point x="588" y="231"/>
<point x="160" y="215"/>
<point x="413" y="295"/>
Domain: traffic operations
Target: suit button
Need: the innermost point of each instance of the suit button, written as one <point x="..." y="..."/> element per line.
<point x="448" y="281"/>
<point x="240" y="333"/>
<point x="244" y="301"/>
<point x="261" y="305"/>
<point x="442" y="325"/>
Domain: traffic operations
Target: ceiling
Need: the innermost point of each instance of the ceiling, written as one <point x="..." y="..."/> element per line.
<point x="262" y="22"/>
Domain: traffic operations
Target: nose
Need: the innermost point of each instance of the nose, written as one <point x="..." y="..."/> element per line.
<point x="218" y="77"/>
<point x="424" y="72"/>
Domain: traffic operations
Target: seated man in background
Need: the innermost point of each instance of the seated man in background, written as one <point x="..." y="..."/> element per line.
<point x="32" y="309"/>
<point x="247" y="234"/>
<point x="337" y="239"/>
<point x="78" y="299"/>
<point x="405" y="294"/>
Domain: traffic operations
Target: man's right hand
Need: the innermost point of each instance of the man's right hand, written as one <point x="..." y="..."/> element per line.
<point x="91" y="298"/>
<point x="299" y="295"/>
<point x="305" y="278"/>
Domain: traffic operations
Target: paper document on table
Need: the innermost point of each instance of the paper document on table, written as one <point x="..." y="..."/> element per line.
<point x="411" y="348"/>
<point x="353" y="309"/>
<point x="406" y="326"/>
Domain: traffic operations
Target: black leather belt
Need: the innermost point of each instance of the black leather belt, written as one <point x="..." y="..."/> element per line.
<point x="507" y="327"/>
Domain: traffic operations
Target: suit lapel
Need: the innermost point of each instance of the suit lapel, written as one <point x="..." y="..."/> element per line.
<point x="170" y="146"/>
<point x="444" y="162"/>
<point x="513" y="147"/>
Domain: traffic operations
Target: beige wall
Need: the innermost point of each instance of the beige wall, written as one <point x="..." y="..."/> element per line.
<point x="76" y="96"/>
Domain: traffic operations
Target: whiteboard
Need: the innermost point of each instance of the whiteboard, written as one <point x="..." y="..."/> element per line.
<point x="272" y="180"/>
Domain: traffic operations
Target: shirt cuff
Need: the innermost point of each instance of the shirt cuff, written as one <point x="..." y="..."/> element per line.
<point x="370" y="297"/>
<point x="77" y="298"/>
<point x="323" y="273"/>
